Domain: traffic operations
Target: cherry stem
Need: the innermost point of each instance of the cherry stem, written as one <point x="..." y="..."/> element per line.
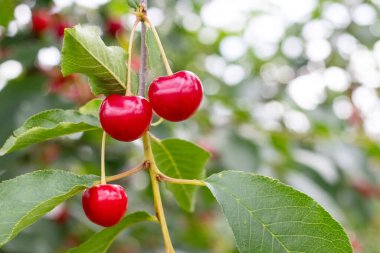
<point x="142" y="166"/>
<point x="154" y="173"/>
<point x="157" y="122"/>
<point x="103" y="167"/>
<point x="129" y="67"/>
<point x="165" y="59"/>
<point x="165" y="178"/>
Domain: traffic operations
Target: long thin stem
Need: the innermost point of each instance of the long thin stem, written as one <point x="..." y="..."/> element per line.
<point x="103" y="167"/>
<point x="130" y="172"/>
<point x="157" y="122"/>
<point x="165" y="59"/>
<point x="143" y="54"/>
<point x="128" y="91"/>
<point x="163" y="177"/>
<point x="154" y="172"/>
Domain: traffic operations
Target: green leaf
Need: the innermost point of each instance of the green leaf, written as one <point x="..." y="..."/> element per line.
<point x="155" y="63"/>
<point x="268" y="216"/>
<point x="134" y="4"/>
<point x="6" y="11"/>
<point x="25" y="199"/>
<point x="181" y="159"/>
<point x="83" y="51"/>
<point x="101" y="241"/>
<point x="117" y="8"/>
<point x="47" y="125"/>
<point x="92" y="107"/>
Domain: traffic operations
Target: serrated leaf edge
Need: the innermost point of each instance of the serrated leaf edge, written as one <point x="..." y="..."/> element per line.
<point x="32" y="129"/>
<point x="149" y="218"/>
<point x="12" y="235"/>
<point x="272" y="180"/>
<point x="69" y="31"/>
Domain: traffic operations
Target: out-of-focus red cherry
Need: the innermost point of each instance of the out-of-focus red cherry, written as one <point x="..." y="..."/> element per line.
<point x="41" y="21"/>
<point x="59" y="28"/>
<point x="364" y="188"/>
<point x="113" y="26"/>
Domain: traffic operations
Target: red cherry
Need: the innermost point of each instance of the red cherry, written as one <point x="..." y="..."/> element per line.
<point x="41" y="20"/>
<point x="105" y="205"/>
<point x="113" y="26"/>
<point x="60" y="28"/>
<point x="176" y="97"/>
<point x="125" y="118"/>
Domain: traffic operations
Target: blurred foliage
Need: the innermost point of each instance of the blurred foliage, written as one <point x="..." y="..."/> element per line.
<point x="301" y="106"/>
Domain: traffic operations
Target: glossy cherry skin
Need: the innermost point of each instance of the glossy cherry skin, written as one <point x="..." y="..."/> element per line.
<point x="125" y="118"/>
<point x="176" y="97"/>
<point x="105" y="205"/>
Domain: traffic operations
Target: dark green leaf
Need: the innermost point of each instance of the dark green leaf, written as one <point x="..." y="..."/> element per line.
<point x="83" y="51"/>
<point x="181" y="159"/>
<point x="47" y="125"/>
<point x="25" y="199"/>
<point x="101" y="241"/>
<point x="268" y="216"/>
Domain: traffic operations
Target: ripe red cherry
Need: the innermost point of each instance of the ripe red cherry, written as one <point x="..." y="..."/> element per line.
<point x="60" y="28"/>
<point x="176" y="97"/>
<point x="113" y="26"/>
<point x="41" y="20"/>
<point x="105" y="205"/>
<point x="125" y="118"/>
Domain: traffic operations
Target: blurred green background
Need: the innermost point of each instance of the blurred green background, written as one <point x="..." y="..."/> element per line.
<point x="291" y="91"/>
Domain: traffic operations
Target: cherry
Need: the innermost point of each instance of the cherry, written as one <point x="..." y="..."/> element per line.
<point x="41" y="20"/>
<point x="176" y="97"/>
<point x="113" y="26"/>
<point x="125" y="118"/>
<point x="105" y="205"/>
<point x="60" y="28"/>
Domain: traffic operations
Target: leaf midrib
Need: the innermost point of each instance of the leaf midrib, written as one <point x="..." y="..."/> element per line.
<point x="98" y="60"/>
<point x="260" y="221"/>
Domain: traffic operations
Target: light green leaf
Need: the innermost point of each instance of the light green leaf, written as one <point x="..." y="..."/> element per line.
<point x="268" y="216"/>
<point x="47" y="125"/>
<point x="83" y="51"/>
<point x="25" y="199"/>
<point x="101" y="241"/>
<point x="92" y="107"/>
<point x="155" y="63"/>
<point x="133" y="4"/>
<point x="6" y="11"/>
<point x="181" y="159"/>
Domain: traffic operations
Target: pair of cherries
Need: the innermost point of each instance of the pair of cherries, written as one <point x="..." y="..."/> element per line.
<point x="126" y="118"/>
<point x="174" y="98"/>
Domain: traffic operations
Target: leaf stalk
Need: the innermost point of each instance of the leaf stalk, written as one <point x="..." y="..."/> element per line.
<point x="102" y="165"/>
